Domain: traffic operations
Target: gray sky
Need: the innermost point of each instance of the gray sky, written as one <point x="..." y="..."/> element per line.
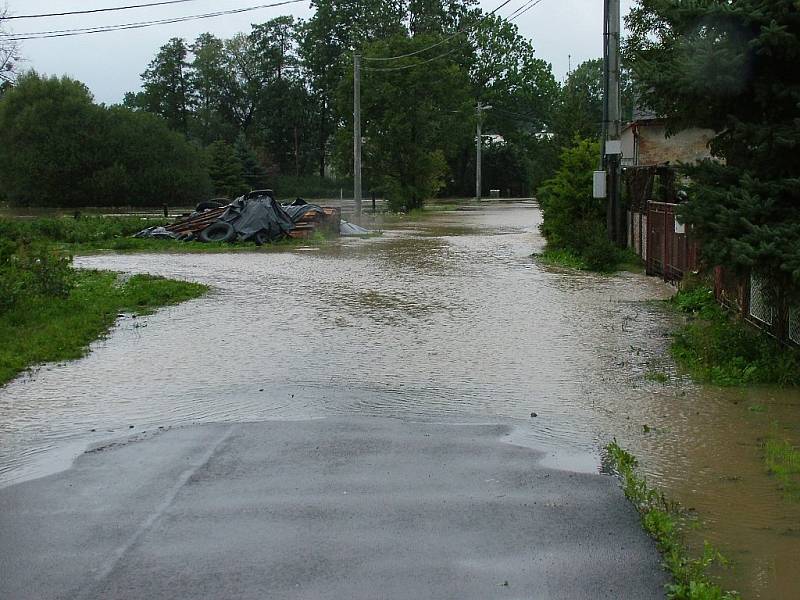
<point x="110" y="63"/>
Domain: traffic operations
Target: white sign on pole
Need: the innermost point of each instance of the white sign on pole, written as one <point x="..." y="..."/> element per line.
<point x="599" y="184"/>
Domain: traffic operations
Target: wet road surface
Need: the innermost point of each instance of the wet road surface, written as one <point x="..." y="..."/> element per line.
<point x="334" y="508"/>
<point x="441" y="319"/>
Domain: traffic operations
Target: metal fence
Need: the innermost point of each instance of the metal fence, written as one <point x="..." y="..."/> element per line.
<point x="670" y="251"/>
<point x="768" y="309"/>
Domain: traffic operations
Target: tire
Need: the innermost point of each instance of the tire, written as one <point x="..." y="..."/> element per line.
<point x="218" y="232"/>
<point x="205" y="205"/>
<point x="262" y="237"/>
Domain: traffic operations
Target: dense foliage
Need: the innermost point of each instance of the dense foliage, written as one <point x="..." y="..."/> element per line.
<point x="280" y="96"/>
<point x="284" y="89"/>
<point x="59" y="148"/>
<point x="732" y="67"/>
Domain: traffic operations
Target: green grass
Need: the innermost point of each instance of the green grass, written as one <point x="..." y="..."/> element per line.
<point x="783" y="462"/>
<point x="715" y="348"/>
<point x="665" y="522"/>
<point x="562" y="258"/>
<point x="48" y="329"/>
<point x="626" y="260"/>
<point x="97" y="234"/>
<point x="657" y="376"/>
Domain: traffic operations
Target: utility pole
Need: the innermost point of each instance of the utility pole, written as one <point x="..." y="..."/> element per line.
<point x="357" y="135"/>
<point x="612" y="149"/>
<point x="478" y="148"/>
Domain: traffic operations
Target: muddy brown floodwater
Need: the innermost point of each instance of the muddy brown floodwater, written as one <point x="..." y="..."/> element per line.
<point x="447" y="316"/>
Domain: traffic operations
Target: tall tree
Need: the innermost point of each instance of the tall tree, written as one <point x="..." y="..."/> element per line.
<point x="328" y="39"/>
<point x="165" y="86"/>
<point x="410" y="118"/>
<point x="731" y="67"/>
<point x="207" y="79"/>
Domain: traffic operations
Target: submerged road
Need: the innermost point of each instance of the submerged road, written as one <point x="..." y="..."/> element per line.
<point x="331" y="508"/>
<point x="351" y="421"/>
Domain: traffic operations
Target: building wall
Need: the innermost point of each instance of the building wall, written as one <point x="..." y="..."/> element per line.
<point x="646" y="144"/>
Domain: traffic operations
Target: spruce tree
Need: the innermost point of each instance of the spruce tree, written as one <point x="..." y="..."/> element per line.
<point x="731" y="67"/>
<point x="225" y="170"/>
<point x="254" y="174"/>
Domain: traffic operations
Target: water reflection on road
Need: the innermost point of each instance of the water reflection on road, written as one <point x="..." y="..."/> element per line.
<point x="444" y="317"/>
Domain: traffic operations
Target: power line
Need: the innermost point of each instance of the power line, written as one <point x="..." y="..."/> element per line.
<point x="518" y="13"/>
<point x="523" y="9"/>
<point x="444" y="41"/>
<point x="416" y="64"/>
<point x="97" y="10"/>
<point x="38" y="35"/>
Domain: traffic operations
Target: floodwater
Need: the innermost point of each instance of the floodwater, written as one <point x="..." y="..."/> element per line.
<point x="448" y="317"/>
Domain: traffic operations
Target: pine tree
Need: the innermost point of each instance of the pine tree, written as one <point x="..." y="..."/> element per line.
<point x="225" y="170"/>
<point x="254" y="174"/>
<point x="732" y="67"/>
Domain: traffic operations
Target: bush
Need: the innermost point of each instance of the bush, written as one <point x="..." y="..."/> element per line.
<point x="572" y="219"/>
<point x="27" y="272"/>
<point x="59" y="148"/>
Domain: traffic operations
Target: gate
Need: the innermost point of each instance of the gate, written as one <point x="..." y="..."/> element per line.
<point x="670" y="252"/>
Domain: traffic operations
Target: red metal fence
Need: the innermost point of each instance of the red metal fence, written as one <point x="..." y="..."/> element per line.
<point x="670" y="251"/>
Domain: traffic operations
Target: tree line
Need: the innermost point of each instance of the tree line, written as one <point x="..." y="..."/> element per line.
<point x="276" y="102"/>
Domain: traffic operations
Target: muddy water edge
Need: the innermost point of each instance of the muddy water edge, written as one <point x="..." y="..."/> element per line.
<point x="445" y="316"/>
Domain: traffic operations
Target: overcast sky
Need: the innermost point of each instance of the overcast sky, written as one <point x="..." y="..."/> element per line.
<point x="110" y="63"/>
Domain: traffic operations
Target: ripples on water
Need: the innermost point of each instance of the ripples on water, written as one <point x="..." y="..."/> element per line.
<point x="449" y="317"/>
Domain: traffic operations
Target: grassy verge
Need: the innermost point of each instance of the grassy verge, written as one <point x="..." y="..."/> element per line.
<point x="783" y="462"/>
<point x="624" y="260"/>
<point x="49" y="328"/>
<point x="715" y="348"/>
<point x="97" y="234"/>
<point x="665" y="523"/>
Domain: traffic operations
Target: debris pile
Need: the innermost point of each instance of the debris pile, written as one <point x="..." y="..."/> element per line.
<point x="255" y="217"/>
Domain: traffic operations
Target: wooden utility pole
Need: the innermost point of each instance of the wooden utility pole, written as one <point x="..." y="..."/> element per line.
<point x="357" y="135"/>
<point x="478" y="148"/>
<point x="612" y="149"/>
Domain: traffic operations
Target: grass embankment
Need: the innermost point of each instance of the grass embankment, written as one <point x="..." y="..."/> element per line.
<point x="716" y="348"/>
<point x="43" y="328"/>
<point x="48" y="310"/>
<point x="610" y="262"/>
<point x="665" y="522"/>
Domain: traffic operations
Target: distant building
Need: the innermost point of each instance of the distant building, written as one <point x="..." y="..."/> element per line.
<point x="645" y="143"/>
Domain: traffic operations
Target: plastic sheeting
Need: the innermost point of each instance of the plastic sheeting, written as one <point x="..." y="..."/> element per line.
<point x="300" y="208"/>
<point x="347" y="228"/>
<point x="251" y="216"/>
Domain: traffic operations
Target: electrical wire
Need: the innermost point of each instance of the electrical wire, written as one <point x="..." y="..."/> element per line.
<point x="444" y="41"/>
<point x="518" y="13"/>
<point x="138" y="25"/>
<point x="97" y="10"/>
<point x="416" y="64"/>
<point x="521" y="12"/>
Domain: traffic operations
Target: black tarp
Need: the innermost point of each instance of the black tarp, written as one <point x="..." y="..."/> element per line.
<point x="251" y="216"/>
<point x="299" y="208"/>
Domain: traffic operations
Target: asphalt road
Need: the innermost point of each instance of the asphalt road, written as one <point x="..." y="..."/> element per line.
<point x="337" y="508"/>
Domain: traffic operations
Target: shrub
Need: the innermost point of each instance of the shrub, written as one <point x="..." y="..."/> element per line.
<point x="27" y="271"/>
<point x="59" y="148"/>
<point x="572" y="219"/>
